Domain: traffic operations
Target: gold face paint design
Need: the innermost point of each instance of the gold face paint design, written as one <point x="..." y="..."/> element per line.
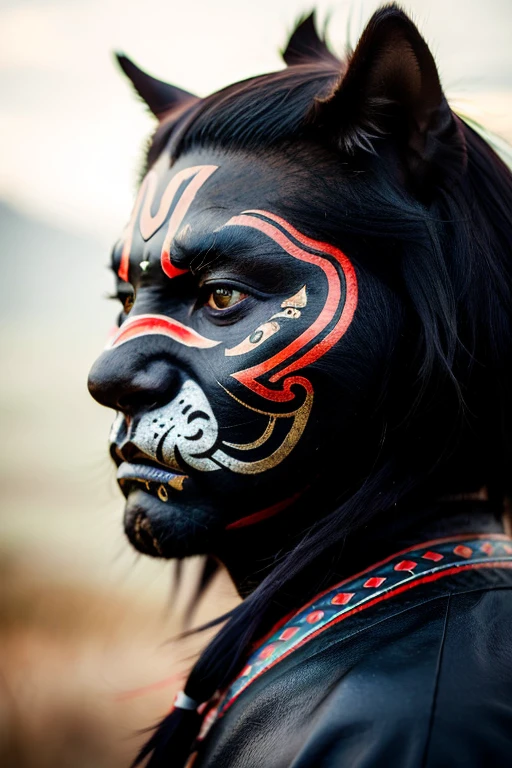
<point x="300" y="418"/>
<point x="177" y="482"/>
<point x="290" y="309"/>
<point x="163" y="493"/>
<point x="298" y="301"/>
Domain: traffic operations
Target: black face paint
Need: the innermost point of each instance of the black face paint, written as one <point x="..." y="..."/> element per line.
<point x="212" y="369"/>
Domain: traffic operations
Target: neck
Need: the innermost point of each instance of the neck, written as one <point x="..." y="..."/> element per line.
<point x="252" y="553"/>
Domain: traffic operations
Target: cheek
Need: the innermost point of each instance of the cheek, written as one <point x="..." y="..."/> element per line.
<point x="252" y="350"/>
<point x="263" y="413"/>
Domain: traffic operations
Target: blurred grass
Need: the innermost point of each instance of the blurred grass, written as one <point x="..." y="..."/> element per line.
<point x="82" y="669"/>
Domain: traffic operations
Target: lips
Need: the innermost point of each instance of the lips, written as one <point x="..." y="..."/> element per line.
<point x="156" y="479"/>
<point x="145" y="472"/>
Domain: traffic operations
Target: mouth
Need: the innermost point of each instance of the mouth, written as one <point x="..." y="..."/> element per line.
<point x="156" y="480"/>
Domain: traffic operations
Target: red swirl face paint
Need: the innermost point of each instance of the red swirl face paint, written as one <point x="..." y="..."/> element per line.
<point x="149" y="224"/>
<point x="337" y="269"/>
<point x="159" y="325"/>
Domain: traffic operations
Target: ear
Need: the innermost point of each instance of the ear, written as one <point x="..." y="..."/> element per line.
<point x="391" y="90"/>
<point x="159" y="96"/>
<point x="306" y="45"/>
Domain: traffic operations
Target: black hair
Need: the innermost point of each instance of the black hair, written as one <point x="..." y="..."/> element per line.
<point x="447" y="399"/>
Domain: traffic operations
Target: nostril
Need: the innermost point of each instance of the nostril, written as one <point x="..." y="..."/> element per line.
<point x="130" y="452"/>
<point x="137" y="401"/>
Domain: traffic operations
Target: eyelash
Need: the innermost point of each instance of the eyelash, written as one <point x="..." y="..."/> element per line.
<point x="221" y="291"/>
<point x="126" y="295"/>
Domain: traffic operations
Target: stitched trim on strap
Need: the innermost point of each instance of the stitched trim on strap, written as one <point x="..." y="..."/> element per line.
<point x="404" y="570"/>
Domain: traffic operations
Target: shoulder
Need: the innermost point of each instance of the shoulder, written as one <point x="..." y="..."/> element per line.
<point x="472" y="710"/>
<point x="429" y="686"/>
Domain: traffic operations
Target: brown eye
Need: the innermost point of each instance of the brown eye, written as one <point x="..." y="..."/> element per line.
<point x="128" y="303"/>
<point x="224" y="298"/>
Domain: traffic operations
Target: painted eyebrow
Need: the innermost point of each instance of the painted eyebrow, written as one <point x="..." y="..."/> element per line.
<point x="190" y="250"/>
<point x="224" y="247"/>
<point x="250" y="258"/>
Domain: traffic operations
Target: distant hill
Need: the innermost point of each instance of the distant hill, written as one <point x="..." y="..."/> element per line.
<point x="49" y="276"/>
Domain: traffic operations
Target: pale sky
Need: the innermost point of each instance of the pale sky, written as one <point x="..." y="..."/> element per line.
<point x="72" y="130"/>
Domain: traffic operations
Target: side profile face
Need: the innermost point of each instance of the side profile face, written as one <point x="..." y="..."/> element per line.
<point x="237" y="370"/>
<point x="266" y="299"/>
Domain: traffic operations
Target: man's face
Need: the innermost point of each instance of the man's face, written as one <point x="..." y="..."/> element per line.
<point x="226" y="412"/>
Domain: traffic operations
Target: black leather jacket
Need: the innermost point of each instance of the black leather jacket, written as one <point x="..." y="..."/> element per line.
<point x="421" y="675"/>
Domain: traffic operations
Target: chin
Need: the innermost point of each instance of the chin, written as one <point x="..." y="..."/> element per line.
<point x="175" y="528"/>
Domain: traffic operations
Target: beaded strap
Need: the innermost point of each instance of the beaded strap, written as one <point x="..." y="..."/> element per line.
<point x="404" y="570"/>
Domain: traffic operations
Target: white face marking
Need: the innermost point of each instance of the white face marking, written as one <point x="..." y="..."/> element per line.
<point x="186" y="424"/>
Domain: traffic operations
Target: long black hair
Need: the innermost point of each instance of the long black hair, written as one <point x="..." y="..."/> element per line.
<point x="443" y="226"/>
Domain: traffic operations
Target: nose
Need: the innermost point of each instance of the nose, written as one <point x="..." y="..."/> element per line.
<point x="129" y="384"/>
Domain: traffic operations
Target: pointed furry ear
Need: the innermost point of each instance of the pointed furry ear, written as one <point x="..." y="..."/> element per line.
<point x="159" y="96"/>
<point x="391" y="89"/>
<point x="305" y="44"/>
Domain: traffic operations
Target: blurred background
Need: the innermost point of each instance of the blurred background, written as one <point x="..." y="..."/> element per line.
<point x="85" y="661"/>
